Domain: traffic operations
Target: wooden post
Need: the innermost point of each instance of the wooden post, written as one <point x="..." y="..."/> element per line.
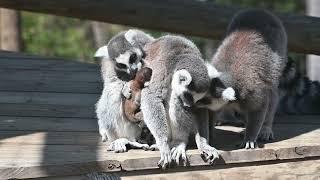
<point x="10" y="33"/>
<point x="313" y="61"/>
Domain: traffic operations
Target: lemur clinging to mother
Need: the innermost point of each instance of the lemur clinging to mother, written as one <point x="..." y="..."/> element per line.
<point x="179" y="79"/>
<point x="132" y="105"/>
<point x="122" y="57"/>
<point x="251" y="59"/>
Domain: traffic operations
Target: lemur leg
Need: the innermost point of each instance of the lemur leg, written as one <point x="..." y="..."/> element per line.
<point x="179" y="144"/>
<point x="253" y="126"/>
<point x="266" y="133"/>
<point x="154" y="116"/>
<point x="208" y="153"/>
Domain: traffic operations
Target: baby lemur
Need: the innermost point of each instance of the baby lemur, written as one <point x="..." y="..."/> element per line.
<point x="132" y="104"/>
<point x="251" y="59"/>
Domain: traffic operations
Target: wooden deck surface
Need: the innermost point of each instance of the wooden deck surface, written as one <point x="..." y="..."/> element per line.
<point x="48" y="128"/>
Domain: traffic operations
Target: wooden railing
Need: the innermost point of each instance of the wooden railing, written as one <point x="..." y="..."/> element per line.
<point x="187" y="17"/>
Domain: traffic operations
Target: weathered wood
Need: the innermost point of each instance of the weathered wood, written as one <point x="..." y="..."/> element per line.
<point x="48" y="98"/>
<point x="51" y="86"/>
<point x="47" y="124"/>
<point x="190" y="17"/>
<point x="44" y="152"/>
<point x="45" y="110"/>
<point x="46" y="64"/>
<point x="22" y="75"/>
<point x="300" y="170"/>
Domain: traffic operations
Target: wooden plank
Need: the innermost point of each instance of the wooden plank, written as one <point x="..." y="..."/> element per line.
<point x="23" y="75"/>
<point x="51" y="86"/>
<point x="44" y="110"/>
<point x="37" y="63"/>
<point x="40" y="159"/>
<point x="207" y="19"/>
<point x="22" y="138"/>
<point x="300" y="170"/>
<point x="46" y="124"/>
<point x="27" y="56"/>
<point x="48" y="98"/>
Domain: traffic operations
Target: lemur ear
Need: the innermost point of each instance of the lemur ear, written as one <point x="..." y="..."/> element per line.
<point x="129" y="35"/>
<point x="102" y="52"/>
<point x="212" y="71"/>
<point x="182" y="77"/>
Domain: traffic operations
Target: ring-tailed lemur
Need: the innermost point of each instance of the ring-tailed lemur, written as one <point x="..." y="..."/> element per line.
<point x="122" y="58"/>
<point x="298" y="95"/>
<point x="179" y="79"/>
<point x="251" y="59"/>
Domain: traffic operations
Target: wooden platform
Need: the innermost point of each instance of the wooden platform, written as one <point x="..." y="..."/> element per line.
<point x="48" y="129"/>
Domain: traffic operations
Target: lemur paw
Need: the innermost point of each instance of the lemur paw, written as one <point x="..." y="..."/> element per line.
<point x="165" y="158"/>
<point x="118" y="145"/>
<point x="179" y="155"/>
<point x="154" y="147"/>
<point x="137" y="145"/>
<point x="266" y="134"/>
<point x="146" y="84"/>
<point x="126" y="91"/>
<point x="229" y="94"/>
<point x="249" y="144"/>
<point x="209" y="154"/>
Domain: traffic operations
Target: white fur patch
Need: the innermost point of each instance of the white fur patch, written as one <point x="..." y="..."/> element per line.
<point x="124" y="58"/>
<point x="229" y="94"/>
<point x="129" y="35"/>
<point x="102" y="52"/>
<point x="180" y="80"/>
<point x="212" y="71"/>
<point x="139" y="65"/>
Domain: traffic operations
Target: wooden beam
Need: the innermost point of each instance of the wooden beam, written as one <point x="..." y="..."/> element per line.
<point x="188" y="17"/>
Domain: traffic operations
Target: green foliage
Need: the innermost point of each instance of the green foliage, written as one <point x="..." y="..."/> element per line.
<point x="56" y="36"/>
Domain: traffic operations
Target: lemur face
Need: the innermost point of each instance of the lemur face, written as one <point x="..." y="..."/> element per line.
<point x="129" y="62"/>
<point x="125" y="50"/>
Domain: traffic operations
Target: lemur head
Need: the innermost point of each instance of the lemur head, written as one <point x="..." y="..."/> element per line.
<point x="189" y="85"/>
<point x="126" y="51"/>
<point x="218" y="94"/>
<point x="143" y="75"/>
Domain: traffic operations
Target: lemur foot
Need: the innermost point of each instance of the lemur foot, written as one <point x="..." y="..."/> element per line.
<point x="266" y="134"/>
<point x="126" y="91"/>
<point x="120" y="145"/>
<point x="165" y="158"/>
<point x="209" y="154"/>
<point x="179" y="155"/>
<point x="249" y="144"/>
<point x="137" y="145"/>
<point x="154" y="147"/>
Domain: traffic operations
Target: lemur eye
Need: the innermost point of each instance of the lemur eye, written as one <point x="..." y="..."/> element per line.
<point x="133" y="58"/>
<point x="121" y="66"/>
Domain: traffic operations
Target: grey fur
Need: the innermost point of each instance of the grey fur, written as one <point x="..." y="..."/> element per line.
<point x="251" y="59"/>
<point x="113" y="125"/>
<point x="164" y="113"/>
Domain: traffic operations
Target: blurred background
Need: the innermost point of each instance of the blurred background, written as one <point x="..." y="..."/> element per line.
<point x="76" y="39"/>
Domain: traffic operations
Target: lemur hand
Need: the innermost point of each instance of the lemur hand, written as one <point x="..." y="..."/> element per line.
<point x="126" y="91"/>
